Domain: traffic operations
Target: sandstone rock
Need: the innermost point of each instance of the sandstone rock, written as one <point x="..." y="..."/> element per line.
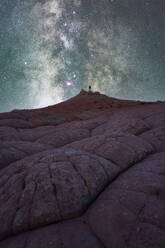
<point x="49" y="187"/>
<point x="123" y="150"/>
<point x="16" y="123"/>
<point x="68" y="234"/>
<point x="88" y="172"/>
<point x="156" y="137"/>
<point x="130" y="207"/>
<point x="156" y="119"/>
<point x="131" y="126"/>
<point x="64" y="136"/>
<point x="11" y="151"/>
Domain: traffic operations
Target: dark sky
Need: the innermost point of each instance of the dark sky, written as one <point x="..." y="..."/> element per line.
<point x="50" y="49"/>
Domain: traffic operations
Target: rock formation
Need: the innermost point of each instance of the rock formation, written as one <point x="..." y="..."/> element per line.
<point x="88" y="172"/>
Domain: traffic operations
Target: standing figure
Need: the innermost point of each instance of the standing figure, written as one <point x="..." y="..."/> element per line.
<point x="89" y="87"/>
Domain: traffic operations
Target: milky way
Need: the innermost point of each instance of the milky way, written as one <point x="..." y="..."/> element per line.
<point x="51" y="49"/>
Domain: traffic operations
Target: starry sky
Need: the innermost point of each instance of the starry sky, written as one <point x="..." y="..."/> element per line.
<point x="51" y="49"/>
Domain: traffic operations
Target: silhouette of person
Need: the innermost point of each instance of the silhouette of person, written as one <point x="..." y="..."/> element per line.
<point x="89" y="87"/>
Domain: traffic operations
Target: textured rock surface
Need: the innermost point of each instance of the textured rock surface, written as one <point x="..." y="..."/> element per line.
<point x="133" y="207"/>
<point x="88" y="172"/>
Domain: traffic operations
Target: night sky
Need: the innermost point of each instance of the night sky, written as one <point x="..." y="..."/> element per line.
<point x="51" y="49"/>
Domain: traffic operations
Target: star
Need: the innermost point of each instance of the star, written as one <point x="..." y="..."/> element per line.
<point x="68" y="83"/>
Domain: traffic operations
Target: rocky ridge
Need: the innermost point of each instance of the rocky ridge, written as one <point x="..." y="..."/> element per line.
<point x="88" y="172"/>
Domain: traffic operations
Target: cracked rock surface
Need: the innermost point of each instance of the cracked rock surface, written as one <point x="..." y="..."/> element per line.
<point x="88" y="172"/>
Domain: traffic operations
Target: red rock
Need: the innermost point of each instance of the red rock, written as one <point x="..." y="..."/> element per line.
<point x="68" y="234"/>
<point x="130" y="126"/>
<point x="11" y="151"/>
<point x="15" y="123"/>
<point x="156" y="137"/>
<point x="88" y="172"/>
<point x="54" y="185"/>
<point x="64" y="136"/>
<point x="131" y="148"/>
<point x="126" y="206"/>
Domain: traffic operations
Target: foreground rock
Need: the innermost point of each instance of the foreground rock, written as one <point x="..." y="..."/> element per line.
<point x="133" y="207"/>
<point x="85" y="176"/>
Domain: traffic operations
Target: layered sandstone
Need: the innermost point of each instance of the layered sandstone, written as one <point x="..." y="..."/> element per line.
<point x="88" y="172"/>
